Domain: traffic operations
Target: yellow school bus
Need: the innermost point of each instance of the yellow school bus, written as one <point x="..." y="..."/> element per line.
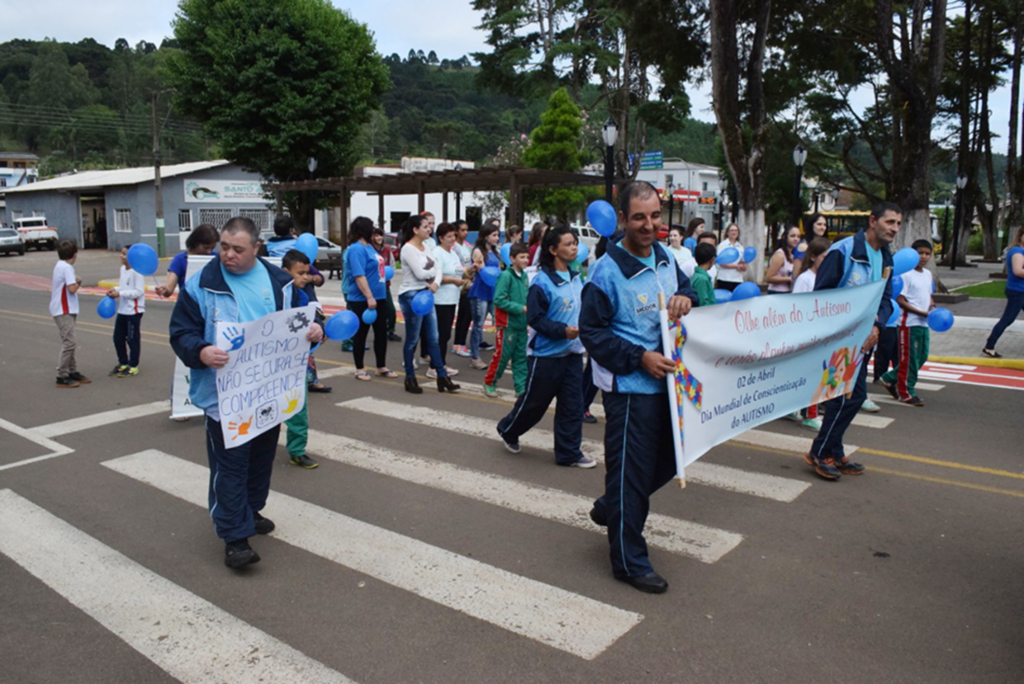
<point x="840" y="223"/>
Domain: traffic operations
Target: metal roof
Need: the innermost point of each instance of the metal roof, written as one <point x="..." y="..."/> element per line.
<point x="18" y="156"/>
<point x="93" y="180"/>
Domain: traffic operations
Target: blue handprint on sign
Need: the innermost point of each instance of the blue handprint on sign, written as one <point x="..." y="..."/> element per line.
<point x="235" y="337"/>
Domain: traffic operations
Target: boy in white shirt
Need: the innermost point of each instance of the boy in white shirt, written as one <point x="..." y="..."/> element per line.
<point x="64" y="309"/>
<point x="131" y="295"/>
<point x="914" y="336"/>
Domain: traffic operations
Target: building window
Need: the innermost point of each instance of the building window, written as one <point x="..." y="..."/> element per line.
<point x="15" y="215"/>
<point x="185" y="220"/>
<point x="3" y="182"/>
<point x="261" y="217"/>
<point x="122" y="220"/>
<point x="215" y="217"/>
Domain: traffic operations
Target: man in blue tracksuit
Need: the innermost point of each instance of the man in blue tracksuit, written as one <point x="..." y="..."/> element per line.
<point x="621" y="329"/>
<point x="856" y="260"/>
<point x="555" y="353"/>
<point x="236" y="286"/>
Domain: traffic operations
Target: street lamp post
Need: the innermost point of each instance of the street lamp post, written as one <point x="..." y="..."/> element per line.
<point x="799" y="157"/>
<point x="723" y="188"/>
<point x="671" y="201"/>
<point x="311" y="165"/>
<point x="961" y="183"/>
<point x="946" y="202"/>
<point x="458" y="197"/>
<point x="610" y="134"/>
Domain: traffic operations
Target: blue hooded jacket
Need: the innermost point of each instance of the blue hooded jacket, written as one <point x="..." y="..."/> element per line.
<point x="620" y="319"/>
<point x="552" y="305"/>
<point x="846" y="265"/>
<point x="203" y="302"/>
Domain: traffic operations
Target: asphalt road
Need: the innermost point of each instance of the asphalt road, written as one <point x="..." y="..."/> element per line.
<point x="423" y="552"/>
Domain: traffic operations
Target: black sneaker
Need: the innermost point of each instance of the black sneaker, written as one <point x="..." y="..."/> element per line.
<point x="117" y="370"/>
<point x="303" y="462"/>
<point x="588" y="417"/>
<point x="392" y="337"/>
<point x="79" y="378"/>
<point x="825" y="467"/>
<point x="512" y="446"/>
<point x="238" y="554"/>
<point x="263" y="525"/>
<point x="651" y="583"/>
<point x="66" y="383"/>
<point x="486" y="345"/>
<point x="599" y="515"/>
<point x="891" y="389"/>
<point x="848" y="467"/>
<point x="913" y="401"/>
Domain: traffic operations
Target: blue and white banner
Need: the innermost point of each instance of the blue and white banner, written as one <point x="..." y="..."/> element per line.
<point x="741" y="364"/>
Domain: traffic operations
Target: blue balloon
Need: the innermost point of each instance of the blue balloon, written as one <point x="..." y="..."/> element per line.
<point x="690" y="243"/>
<point x="582" y="252"/>
<point x="729" y="255"/>
<point x="341" y="325"/>
<point x="142" y="259"/>
<point x="722" y="296"/>
<point x="389" y="272"/>
<point x="896" y="313"/>
<point x="369" y="316"/>
<point x="746" y="290"/>
<point x="749" y="254"/>
<point x="905" y="260"/>
<point x="423" y="302"/>
<point x="940" y="320"/>
<point x="602" y="217"/>
<point x="489" y="274"/>
<point x="506" y="255"/>
<point x="897" y="286"/>
<point x="107" y="307"/>
<point x="307" y="244"/>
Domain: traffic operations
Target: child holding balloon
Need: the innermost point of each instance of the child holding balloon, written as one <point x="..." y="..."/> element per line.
<point x="914" y="337"/>
<point x="130" y="295"/>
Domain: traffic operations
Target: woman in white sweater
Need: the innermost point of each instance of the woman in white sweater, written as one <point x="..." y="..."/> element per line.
<point x="420" y="271"/>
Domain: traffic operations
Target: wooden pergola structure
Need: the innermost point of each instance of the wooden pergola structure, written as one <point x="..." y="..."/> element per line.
<point x="514" y="180"/>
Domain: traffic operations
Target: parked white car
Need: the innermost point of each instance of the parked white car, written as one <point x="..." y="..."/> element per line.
<point x="36" y="233"/>
<point x="11" y="241"/>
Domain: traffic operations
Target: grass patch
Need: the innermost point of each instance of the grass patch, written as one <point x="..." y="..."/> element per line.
<point x="992" y="290"/>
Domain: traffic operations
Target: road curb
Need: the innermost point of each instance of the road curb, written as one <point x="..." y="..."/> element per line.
<point x="1013" y="364"/>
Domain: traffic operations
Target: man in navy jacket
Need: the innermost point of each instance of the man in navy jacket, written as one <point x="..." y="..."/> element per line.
<point x="621" y="330"/>
<point x="857" y="260"/>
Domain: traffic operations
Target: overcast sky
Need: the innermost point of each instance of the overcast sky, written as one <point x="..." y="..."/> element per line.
<point x="446" y="26"/>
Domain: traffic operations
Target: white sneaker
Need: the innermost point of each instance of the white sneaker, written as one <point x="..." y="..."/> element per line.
<point x="870" y="407"/>
<point x="432" y="374"/>
<point x="478" y="364"/>
<point x="452" y="372"/>
<point x="812" y="423"/>
<point x="585" y="462"/>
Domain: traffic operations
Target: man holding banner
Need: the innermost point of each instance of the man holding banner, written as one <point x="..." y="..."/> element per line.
<point x="234" y="288"/>
<point x="857" y="260"/>
<point x="620" y="328"/>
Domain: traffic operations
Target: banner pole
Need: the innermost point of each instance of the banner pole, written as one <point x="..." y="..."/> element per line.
<point x="668" y="343"/>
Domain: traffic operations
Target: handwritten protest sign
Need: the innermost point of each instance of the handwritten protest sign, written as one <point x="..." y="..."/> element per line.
<point x="742" y="364"/>
<point x="264" y="382"/>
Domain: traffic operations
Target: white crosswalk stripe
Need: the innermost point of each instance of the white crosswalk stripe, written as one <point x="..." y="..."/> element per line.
<point x="564" y="620"/>
<point x="187" y="636"/>
<point x="732" y="479"/>
<point x="704" y="543"/>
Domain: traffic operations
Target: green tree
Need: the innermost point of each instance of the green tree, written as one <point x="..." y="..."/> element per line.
<point x="277" y="82"/>
<point x="555" y="145"/>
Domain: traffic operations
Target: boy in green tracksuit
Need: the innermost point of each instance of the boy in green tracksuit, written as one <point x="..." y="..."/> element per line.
<point x="296" y="264"/>
<point x="510" y="318"/>
<point x="704" y="255"/>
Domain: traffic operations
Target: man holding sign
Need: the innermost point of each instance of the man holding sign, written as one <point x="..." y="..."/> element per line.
<point x="857" y="260"/>
<point x="620" y="327"/>
<point x="234" y="288"/>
